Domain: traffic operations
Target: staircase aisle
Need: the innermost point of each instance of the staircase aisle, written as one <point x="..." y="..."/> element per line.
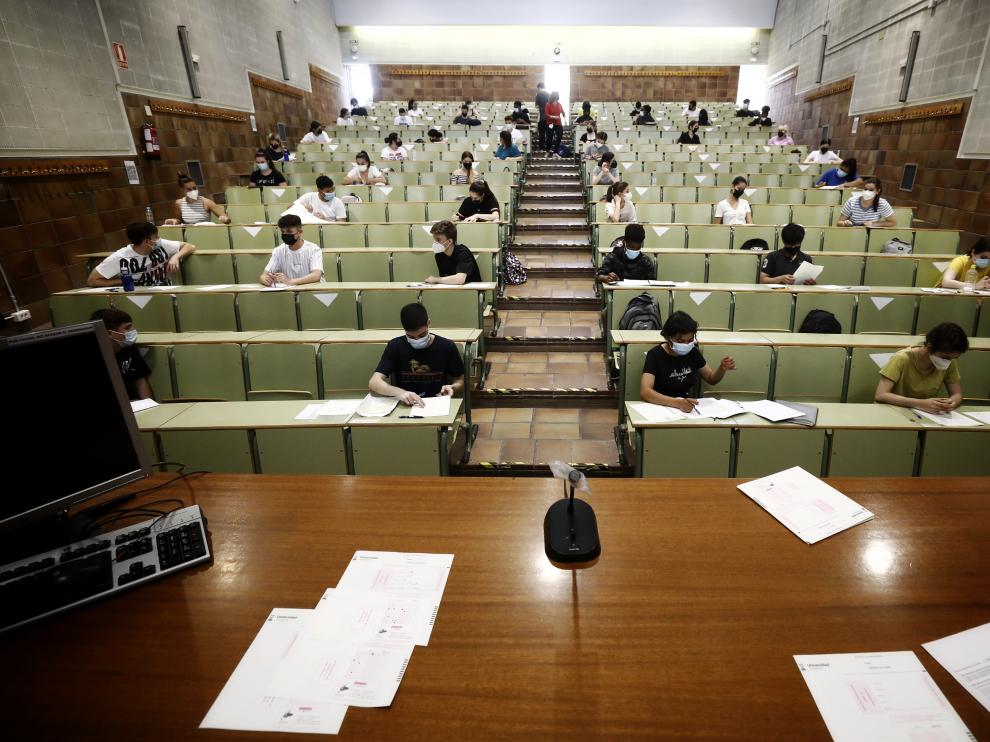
<point x="546" y="395"/>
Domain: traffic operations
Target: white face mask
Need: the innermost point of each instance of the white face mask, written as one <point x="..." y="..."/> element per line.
<point x="438" y="248"/>
<point x="192" y="195"/>
<point x="681" y="349"/>
<point x="362" y="168"/>
<point x="869" y="195"/>
<point x="940" y="363"/>
<point x="419" y="343"/>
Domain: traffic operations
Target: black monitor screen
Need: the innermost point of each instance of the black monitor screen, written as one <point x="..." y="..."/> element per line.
<point x="69" y="432"/>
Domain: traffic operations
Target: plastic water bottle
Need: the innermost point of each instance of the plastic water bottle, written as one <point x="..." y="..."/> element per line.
<point x="149" y="215"/>
<point x="970" y="279"/>
<point x="126" y="279"/>
<point x="285" y="155"/>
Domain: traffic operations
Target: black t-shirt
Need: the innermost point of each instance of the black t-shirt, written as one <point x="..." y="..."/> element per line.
<point x="359" y="111"/>
<point x="421" y="371"/>
<point x="542" y="98"/>
<point x="132" y="368"/>
<point x="460" y="261"/>
<point x="272" y="178"/>
<point x="275" y="155"/>
<point x="687" y="138"/>
<point x="470" y="207"/>
<point x="673" y="375"/>
<point x="778" y="264"/>
<point x="645" y="119"/>
<point x="583" y="117"/>
<point x="642" y="268"/>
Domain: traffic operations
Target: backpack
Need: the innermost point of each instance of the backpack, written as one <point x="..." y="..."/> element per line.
<point x="513" y="270"/>
<point x="821" y="321"/>
<point x="642" y="313"/>
<point x="565" y="151"/>
<point x="896" y="246"/>
<point x="755" y="244"/>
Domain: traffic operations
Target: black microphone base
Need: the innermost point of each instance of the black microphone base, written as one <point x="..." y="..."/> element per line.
<point x="571" y="536"/>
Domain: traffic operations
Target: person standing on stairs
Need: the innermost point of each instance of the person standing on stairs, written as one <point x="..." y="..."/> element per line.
<point x="541" y="103"/>
<point x="555" y="122"/>
<point x="627" y="259"/>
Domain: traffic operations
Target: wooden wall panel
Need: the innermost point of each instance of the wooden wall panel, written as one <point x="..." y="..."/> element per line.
<point x="428" y="82"/>
<point x="650" y="84"/>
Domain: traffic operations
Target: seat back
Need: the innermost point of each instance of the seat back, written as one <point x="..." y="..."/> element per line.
<point x="209" y="370"/>
<point x="285" y="367"/>
<point x="206" y="312"/>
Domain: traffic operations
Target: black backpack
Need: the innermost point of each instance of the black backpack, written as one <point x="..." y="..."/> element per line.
<point x="642" y="313"/>
<point x="821" y="321"/>
<point x="755" y="243"/>
<point x="513" y="270"/>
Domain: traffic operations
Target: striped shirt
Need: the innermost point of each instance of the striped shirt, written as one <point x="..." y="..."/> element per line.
<point x="195" y="212"/>
<point x="854" y="211"/>
<point x="459" y="177"/>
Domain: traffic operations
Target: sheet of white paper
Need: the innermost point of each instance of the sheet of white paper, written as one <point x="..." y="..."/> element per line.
<point x="951" y="420"/>
<point x="297" y="209"/>
<point x="803" y="168"/>
<point x="881" y="359"/>
<point x="325" y="299"/>
<point x="829" y="188"/>
<point x="880" y="696"/>
<point x="655" y="413"/>
<point x="776" y="285"/>
<point x="619" y="146"/>
<point x="215" y="287"/>
<point x="804" y="504"/>
<point x="137" y="405"/>
<point x="938" y="291"/>
<point x="749" y="192"/>
<point x="385" y="189"/>
<point x="770" y="410"/>
<point x="339" y="407"/>
<point x="718" y="409"/>
<point x="714" y="165"/>
<point x="372" y="618"/>
<point x="140" y="301"/>
<point x="309" y="412"/>
<point x="372" y="406"/>
<point x="881" y="301"/>
<point x="627" y="165"/>
<point x="660" y="231"/>
<point x="941" y="265"/>
<point x="276" y="287"/>
<point x="433" y="407"/>
<point x="243" y="703"/>
<point x="982" y="417"/>
<point x="397" y="573"/>
<point x="807" y="272"/>
<point x="426" y="227"/>
<point x="966" y="656"/>
<point x="277" y="191"/>
<point x="634" y="282"/>
<point x="698" y="297"/>
<point x="664" y="283"/>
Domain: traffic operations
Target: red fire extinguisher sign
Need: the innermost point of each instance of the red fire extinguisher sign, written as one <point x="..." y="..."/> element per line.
<point x="150" y="137"/>
<point x="120" y="55"/>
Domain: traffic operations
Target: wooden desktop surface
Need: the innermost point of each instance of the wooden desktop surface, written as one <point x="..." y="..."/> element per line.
<point x="685" y="628"/>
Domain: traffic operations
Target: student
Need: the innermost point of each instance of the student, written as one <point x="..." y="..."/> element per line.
<point x="913" y="376"/>
<point x="637" y="109"/>
<point x="976" y="258"/>
<point x="520" y="121"/>
<point x="783" y="136"/>
<point x="606" y="172"/>
<point x="506" y="149"/>
<point x="265" y="173"/>
<point x="148" y="258"/>
<point x="763" y="118"/>
<point x="193" y="208"/>
<point x="824" y="155"/>
<point x="422" y="364"/>
<point x="691" y="109"/>
<point x="123" y="336"/>
<point x="734" y="209"/>
<point x="598" y="148"/>
<point x="393" y="151"/>
<point x="479" y="206"/>
<point x="275" y="150"/>
<point x="618" y="203"/>
<point x="403" y="119"/>
<point x="868" y="209"/>
<point x="672" y="368"/>
<point x="556" y="120"/>
<point x="844" y="176"/>
<point x="465" y="119"/>
<point x="456" y="264"/>
<point x="744" y="111"/>
<point x="779" y="266"/>
<point x="519" y="113"/>
<point x="585" y="116"/>
<point x="627" y="259"/>
<point x="646" y="117"/>
<point x="542" y="98"/>
<point x="357" y="110"/>
<point x="515" y="135"/>
<point x="315" y="135"/>
<point x="413" y="110"/>
<point x="703" y="119"/>
<point x="323" y="203"/>
<point x="691" y="135"/>
<point x="344" y="119"/>
<point x="436" y="136"/>
<point x="464" y="175"/>
<point x="297" y="260"/>
<point x="363" y="172"/>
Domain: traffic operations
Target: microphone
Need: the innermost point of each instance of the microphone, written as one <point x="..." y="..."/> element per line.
<point x="570" y="529"/>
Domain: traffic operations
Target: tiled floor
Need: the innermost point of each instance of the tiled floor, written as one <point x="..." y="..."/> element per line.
<point x="546" y="371"/>
<point x="552" y="238"/>
<point x="554" y="258"/>
<point x="551" y="221"/>
<point x="557" y="288"/>
<point x="539" y="435"/>
<point x="535" y="324"/>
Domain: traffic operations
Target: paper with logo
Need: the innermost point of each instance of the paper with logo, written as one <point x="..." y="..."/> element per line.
<point x="140" y="301"/>
<point x="372" y="618"/>
<point x="966" y="656"/>
<point x="324" y="298"/>
<point x="372" y="406"/>
<point x="244" y="703"/>
<point x="880" y="696"/>
<point x="432" y="407"/>
<point x="807" y="272"/>
<point x="804" y="504"/>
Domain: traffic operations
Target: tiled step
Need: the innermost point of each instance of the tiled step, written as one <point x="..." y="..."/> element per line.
<point x="572" y="175"/>
<point x="553" y="259"/>
<point x="525" y="241"/>
<point x="522" y="344"/>
<point x="553" y="184"/>
<point x="566" y="271"/>
<point x="549" y="303"/>
<point x="552" y="209"/>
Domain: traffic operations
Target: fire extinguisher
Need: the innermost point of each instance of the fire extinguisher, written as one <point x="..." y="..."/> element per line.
<point x="151" y="149"/>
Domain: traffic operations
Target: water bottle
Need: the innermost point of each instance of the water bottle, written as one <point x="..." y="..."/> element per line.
<point x="149" y="215"/>
<point x="285" y="155"/>
<point x="126" y="279"/>
<point x="970" y="279"/>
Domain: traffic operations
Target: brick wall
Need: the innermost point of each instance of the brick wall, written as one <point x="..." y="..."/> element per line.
<point x="705" y="84"/>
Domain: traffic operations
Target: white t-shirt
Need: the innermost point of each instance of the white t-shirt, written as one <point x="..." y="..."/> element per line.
<point x="628" y="213"/>
<point x="329" y="211"/>
<point x="296" y="263"/>
<point x="394" y="154"/>
<point x="345" y="122"/>
<point x="818" y="158"/>
<point x="148" y="270"/>
<point x="311" y="138"/>
<point x="415" y="112"/>
<point x="402" y="121"/>
<point x="517" y="136"/>
<point x="688" y="112"/>
<point x="733" y="216"/>
<point x="372" y="173"/>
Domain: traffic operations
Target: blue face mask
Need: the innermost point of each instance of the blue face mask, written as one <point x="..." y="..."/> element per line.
<point x="130" y="337"/>
<point x="981" y="263"/>
<point x="632" y="254"/>
<point x="419" y="343"/>
<point x="327" y="196"/>
<point x="681" y="349"/>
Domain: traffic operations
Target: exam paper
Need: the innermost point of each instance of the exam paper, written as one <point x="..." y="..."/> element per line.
<point x="880" y="696"/>
<point x="372" y="406"/>
<point x="137" y="405"/>
<point x="243" y="703"/>
<point x="807" y="272"/>
<point x="770" y="410"/>
<point x="951" y="420"/>
<point x="373" y="618"/>
<point x="718" y="409"/>
<point x="804" y="504"/>
<point x="398" y="574"/>
<point x="341" y="407"/>
<point x="309" y="412"/>
<point x="982" y="417"/>
<point x="966" y="656"/>
<point x="276" y="287"/>
<point x="655" y="413"/>
<point x="432" y="407"/>
<point x="634" y="282"/>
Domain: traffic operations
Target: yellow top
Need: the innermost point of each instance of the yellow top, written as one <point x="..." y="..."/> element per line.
<point x="909" y="381"/>
<point x="959" y="265"/>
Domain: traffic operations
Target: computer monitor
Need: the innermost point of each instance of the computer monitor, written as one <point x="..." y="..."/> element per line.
<point x="69" y="433"/>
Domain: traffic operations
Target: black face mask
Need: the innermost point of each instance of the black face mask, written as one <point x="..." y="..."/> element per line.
<point x="319" y="132"/>
<point x="467" y="164"/>
<point x="738" y="192"/>
<point x="780" y="134"/>
<point x="824" y="150"/>
<point x="288" y="239"/>
<point x="790" y="251"/>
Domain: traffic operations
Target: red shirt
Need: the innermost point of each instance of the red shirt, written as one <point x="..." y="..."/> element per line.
<point x="553" y="111"/>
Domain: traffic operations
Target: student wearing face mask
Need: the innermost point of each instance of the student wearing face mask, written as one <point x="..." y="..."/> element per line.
<point x="479" y="206"/>
<point x="393" y="150"/>
<point x="598" y="148"/>
<point x="149" y="259"/>
<point x="193" y="208"/>
<point x="264" y="173"/>
<point x="868" y="209"/>
<point x="506" y="149"/>
<point x="297" y="260"/>
<point x="315" y="135"/>
<point x="413" y="110"/>
<point x="419" y="363"/>
<point x="520" y="113"/>
<point x="515" y="135"/>
<point x="824" y="155"/>
<point x="645" y="117"/>
<point x="357" y="110"/>
<point x="465" y="118"/>
<point x="913" y="376"/>
<point x="464" y="175"/>
<point x="456" y="264"/>
<point x="734" y="209"/>
<point x="556" y="121"/>
<point x="779" y="266"/>
<point x="763" y="118"/>
<point x="618" y="203"/>
<point x="344" y="118"/>
<point x="403" y="119"/>
<point x="627" y="259"/>
<point x="691" y="135"/>
<point x="977" y="260"/>
<point x="606" y="171"/>
<point x="783" y="136"/>
<point x="844" y="176"/>
<point x="275" y="150"/>
<point x="672" y="368"/>
<point x="585" y="116"/>
<point x="123" y="336"/>
<point x="363" y="172"/>
<point x="323" y="203"/>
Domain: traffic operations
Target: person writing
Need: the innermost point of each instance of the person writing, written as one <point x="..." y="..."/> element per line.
<point x="672" y="368"/>
<point x="295" y="262"/>
<point x="193" y="208"/>
<point x="868" y="209"/>
<point x="779" y="266"/>
<point x="465" y="118"/>
<point x="914" y="376"/>
<point x="627" y="259"/>
<point x="264" y="173"/>
<point x="323" y="202"/>
<point x="149" y="259"/>
<point x="456" y="265"/>
<point x="506" y="149"/>
<point x="844" y="176"/>
<point x="315" y="135"/>
<point x="479" y="206"/>
<point x="645" y="118"/>
<point x="969" y="270"/>
<point x="691" y="135"/>
<point x="363" y="172"/>
<point x="618" y="203"/>
<point x="123" y="336"/>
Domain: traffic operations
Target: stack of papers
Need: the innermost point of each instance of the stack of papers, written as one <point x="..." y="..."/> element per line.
<point x="372" y="406"/>
<point x="803" y="503"/>
<point x="717" y="409"/>
<point x="770" y="410"/>
<point x="306" y="666"/>
<point x="966" y="656"/>
<point x="137" y="405"/>
<point x="951" y="419"/>
<point x="807" y="272"/>
<point x="330" y="408"/>
<point x="432" y="407"/>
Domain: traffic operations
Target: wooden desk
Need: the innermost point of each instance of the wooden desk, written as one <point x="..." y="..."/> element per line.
<point x="686" y="628"/>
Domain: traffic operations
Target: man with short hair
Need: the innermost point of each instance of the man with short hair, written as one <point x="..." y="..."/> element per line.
<point x="357" y="110"/>
<point x="456" y="264"/>
<point x="148" y="258"/>
<point x="323" y="203"/>
<point x="133" y="369"/>
<point x="422" y="364"/>
<point x="779" y="266"/>
<point x="824" y="155"/>
<point x="542" y="98"/>
<point x="297" y="260"/>
<point x="626" y="259"/>
<point x="465" y="118"/>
